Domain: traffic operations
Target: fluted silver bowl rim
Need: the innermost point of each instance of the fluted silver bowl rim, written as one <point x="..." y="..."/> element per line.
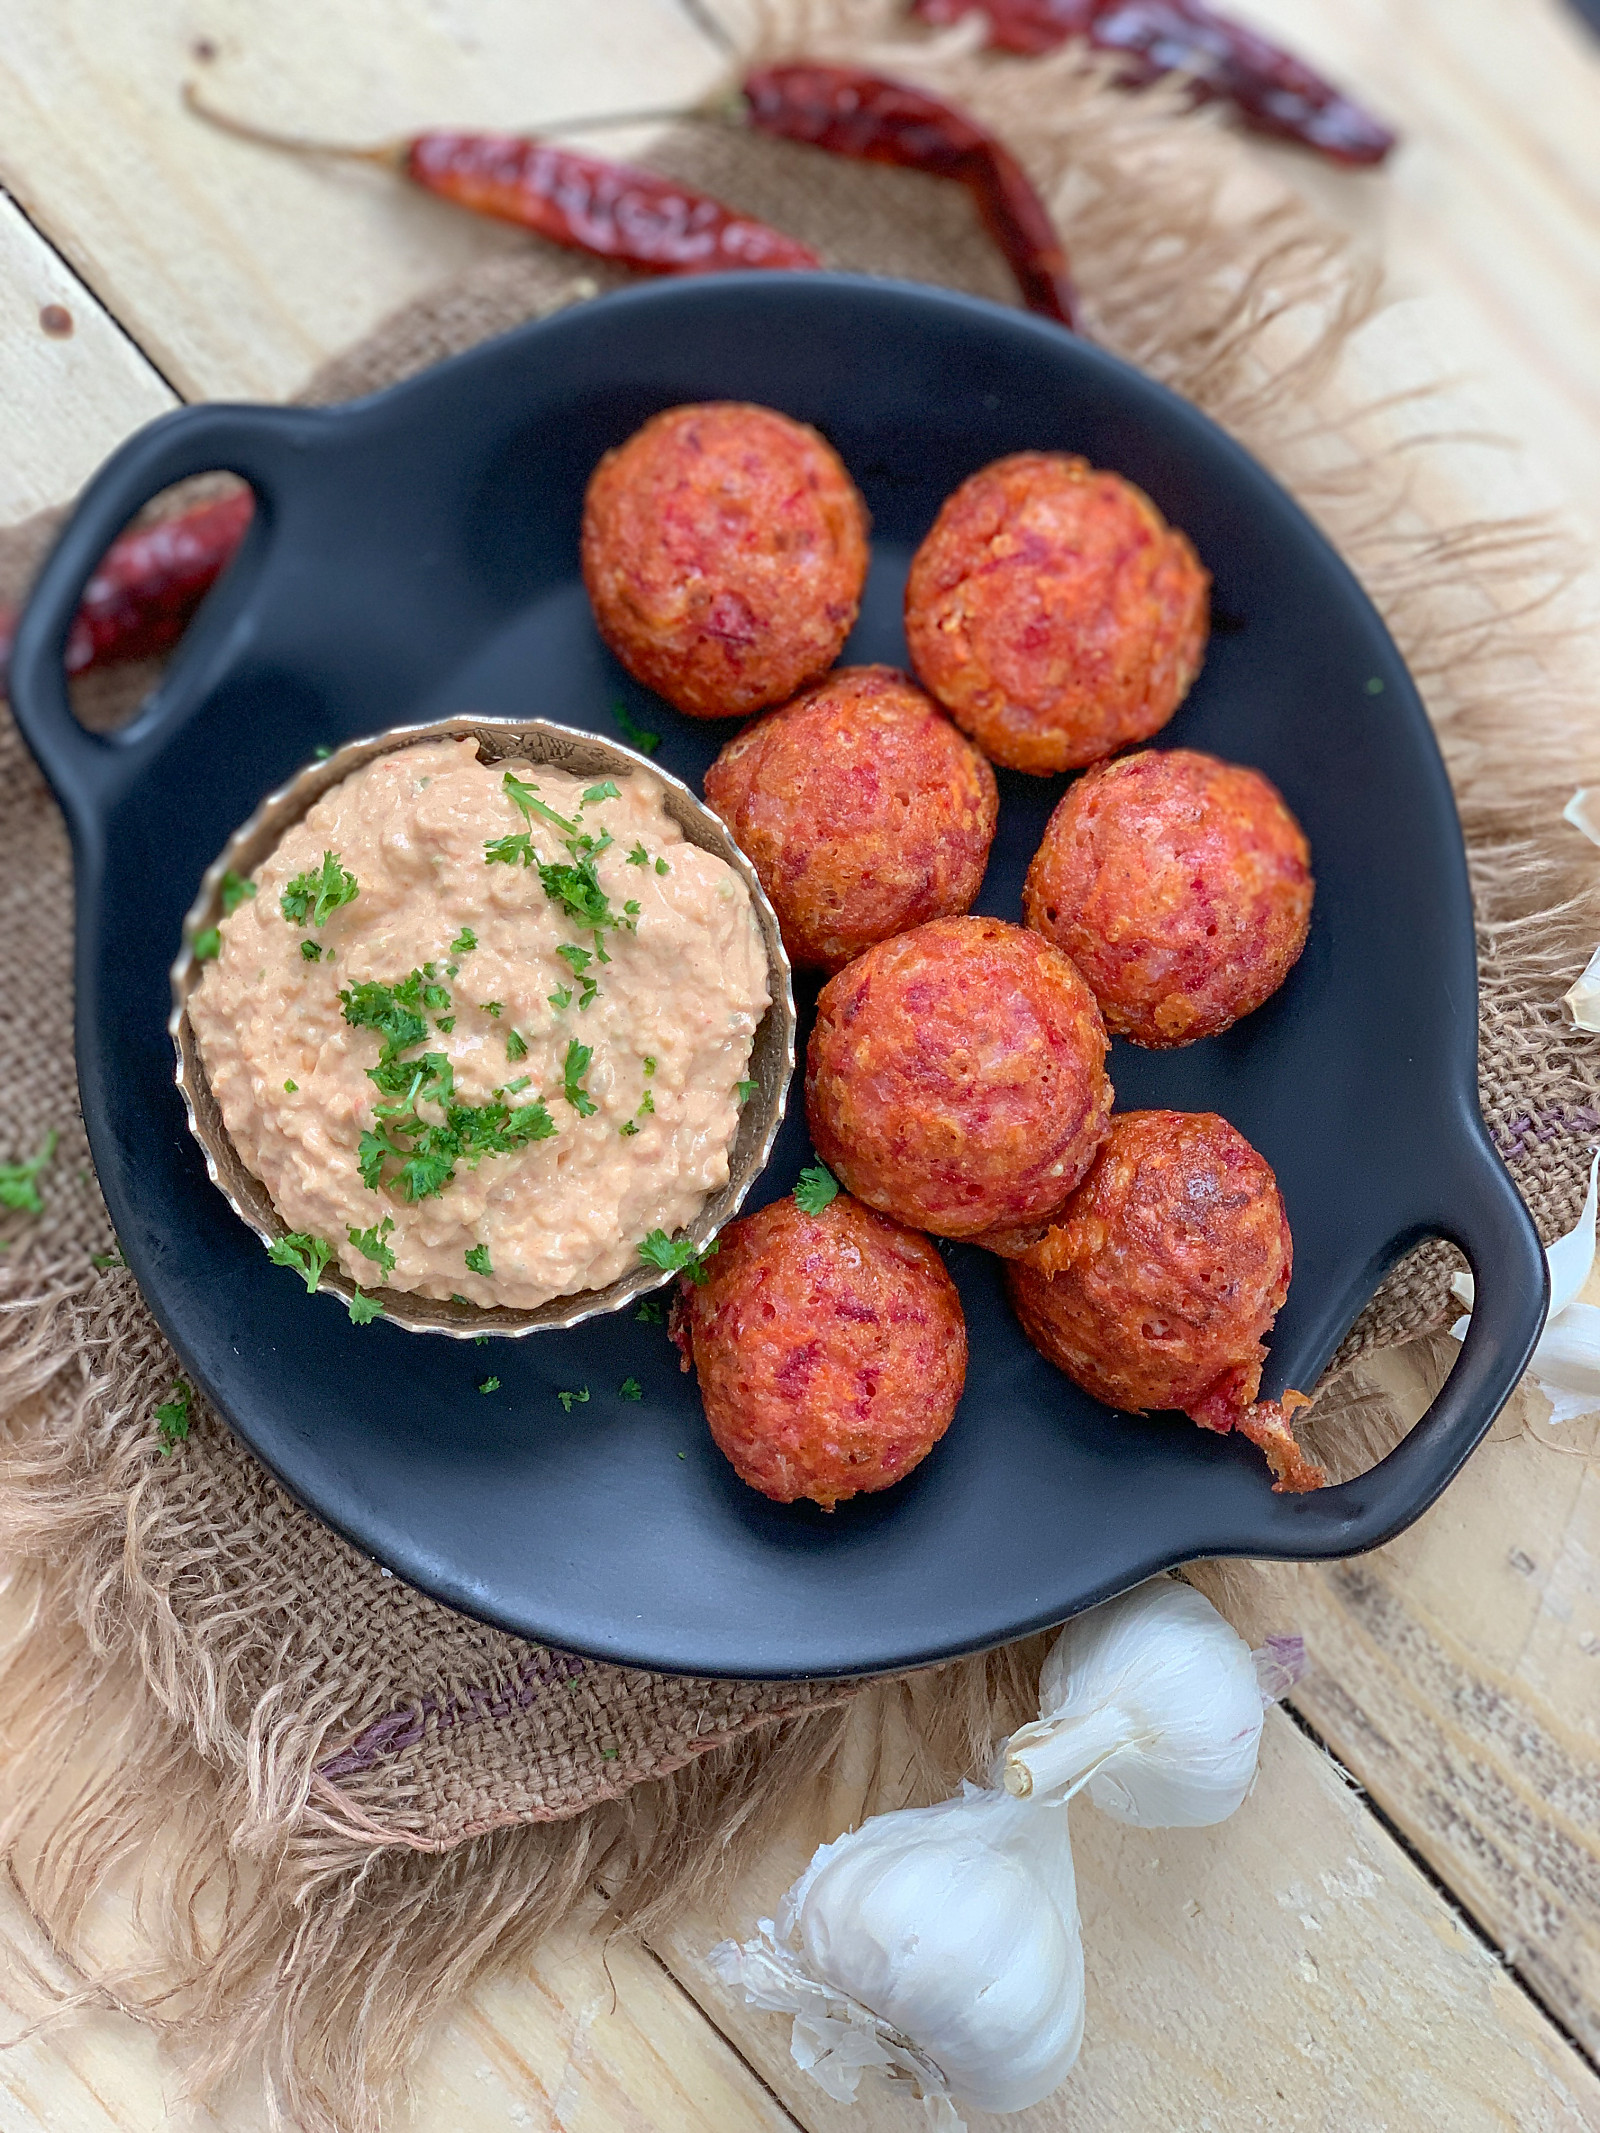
<point x="772" y="1058"/>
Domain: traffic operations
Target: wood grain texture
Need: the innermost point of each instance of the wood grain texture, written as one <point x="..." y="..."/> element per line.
<point x="1289" y="1969"/>
<point x="240" y="270"/>
<point x="71" y="394"/>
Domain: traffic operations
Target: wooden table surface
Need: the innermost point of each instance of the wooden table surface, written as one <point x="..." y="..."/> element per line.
<point x="1417" y="1949"/>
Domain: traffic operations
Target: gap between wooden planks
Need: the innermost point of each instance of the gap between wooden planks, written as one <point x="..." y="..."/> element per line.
<point x="1456" y="1671"/>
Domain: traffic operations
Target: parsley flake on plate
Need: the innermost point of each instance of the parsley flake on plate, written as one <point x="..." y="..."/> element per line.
<point x="567" y="1398"/>
<point x="490" y="1385"/>
<point x="19" y="1182"/>
<point x="630" y="1389"/>
<point x="477" y="1259"/>
<point x="315" y="895"/>
<point x="173" y="1418"/>
<point x="632" y="732"/>
<point x="651" y="1312"/>
<point x="817" y="1188"/>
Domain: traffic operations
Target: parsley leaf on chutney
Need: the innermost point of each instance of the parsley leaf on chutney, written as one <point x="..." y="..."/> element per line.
<point x="573" y="1069"/>
<point x="314" y="896"/>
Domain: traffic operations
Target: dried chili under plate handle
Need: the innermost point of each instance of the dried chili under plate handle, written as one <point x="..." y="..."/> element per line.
<point x="87" y="769"/>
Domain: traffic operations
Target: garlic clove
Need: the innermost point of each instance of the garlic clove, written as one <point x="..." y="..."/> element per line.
<point x="1582" y="1000"/>
<point x="1151" y="1703"/>
<point x="1571" y="1257"/>
<point x="1566" y="1363"/>
<point x="1583" y="812"/>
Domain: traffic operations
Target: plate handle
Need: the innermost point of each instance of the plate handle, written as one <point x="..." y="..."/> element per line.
<point x="86" y="769"/>
<point x="1511" y="1279"/>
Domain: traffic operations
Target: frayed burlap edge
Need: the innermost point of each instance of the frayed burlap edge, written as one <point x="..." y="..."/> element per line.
<point x="302" y="1920"/>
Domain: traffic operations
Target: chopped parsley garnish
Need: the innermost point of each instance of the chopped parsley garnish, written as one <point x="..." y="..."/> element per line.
<point x="321" y="752"/>
<point x="363" y="1308"/>
<point x="312" y="951"/>
<point x="102" y="1260"/>
<point x="19" y="1182"/>
<point x="577" y="889"/>
<point x="579" y="958"/>
<point x="372" y="1243"/>
<point x="561" y="997"/>
<point x="649" y="1064"/>
<point x="290" y="1088"/>
<point x="464" y="943"/>
<point x="207" y="945"/>
<point x="308" y="1256"/>
<point x="435" y="997"/>
<point x="445" y="1024"/>
<point x="525" y="798"/>
<point x="590" y="991"/>
<point x="173" y="1419"/>
<point x="516" y="1046"/>
<point x="604" y="791"/>
<point x="630" y="1389"/>
<point x="629" y="1130"/>
<point x="515" y="1088"/>
<point x="567" y="1398"/>
<point x="744" y="1090"/>
<point x="638" y="857"/>
<point x="678" y="1255"/>
<point x="494" y="1007"/>
<point x="506" y="851"/>
<point x="478" y="1262"/>
<point x="573" y="1069"/>
<point x="235" y="891"/>
<point x="662" y="867"/>
<point x="631" y="909"/>
<point x="316" y="895"/>
<point x="632" y="732"/>
<point x="816" y="1189"/>
<point x="647" y="1104"/>
<point x="651" y="1312"/>
<point x="490" y="1385"/>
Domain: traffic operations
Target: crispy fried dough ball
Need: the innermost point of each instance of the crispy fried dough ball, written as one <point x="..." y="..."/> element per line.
<point x="956" y="1078"/>
<point x="1054" y="612"/>
<point x="1156" y="1287"/>
<point x="831" y="1349"/>
<point x="724" y="552"/>
<point x="863" y="810"/>
<point x="1180" y="887"/>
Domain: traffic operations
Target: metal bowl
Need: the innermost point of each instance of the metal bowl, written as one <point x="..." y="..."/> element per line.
<point x="499" y="739"/>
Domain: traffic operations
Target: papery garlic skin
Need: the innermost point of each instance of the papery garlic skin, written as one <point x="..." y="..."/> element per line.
<point x="955" y="1926"/>
<point x="1152" y="1703"/>
<point x="1566" y="1364"/>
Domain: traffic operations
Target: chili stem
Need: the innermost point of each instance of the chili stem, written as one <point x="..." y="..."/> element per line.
<point x="390" y="153"/>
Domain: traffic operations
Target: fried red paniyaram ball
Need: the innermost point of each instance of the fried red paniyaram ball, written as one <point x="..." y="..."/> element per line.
<point x="1181" y="888"/>
<point x="955" y="1079"/>
<point x="1054" y="612"/>
<point x="724" y="551"/>
<point x="831" y="1349"/>
<point x="1155" y="1289"/>
<point x="862" y="809"/>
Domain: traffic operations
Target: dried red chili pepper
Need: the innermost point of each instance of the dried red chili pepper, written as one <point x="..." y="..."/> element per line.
<point x="607" y="209"/>
<point x="144" y="594"/>
<point x="875" y="120"/>
<point x="1272" y="90"/>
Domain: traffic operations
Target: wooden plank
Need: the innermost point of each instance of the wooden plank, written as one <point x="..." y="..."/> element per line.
<point x="75" y="385"/>
<point x="590" y="2037"/>
<point x="240" y="270"/>
<point x="1290" y="1968"/>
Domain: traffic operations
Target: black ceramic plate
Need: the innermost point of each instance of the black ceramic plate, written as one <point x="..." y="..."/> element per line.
<point x="416" y="554"/>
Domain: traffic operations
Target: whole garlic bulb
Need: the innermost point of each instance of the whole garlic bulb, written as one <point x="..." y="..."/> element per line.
<point x="1153" y="1702"/>
<point x="940" y="1942"/>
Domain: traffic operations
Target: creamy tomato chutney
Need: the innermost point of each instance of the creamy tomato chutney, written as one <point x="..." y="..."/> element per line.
<point x="483" y="1027"/>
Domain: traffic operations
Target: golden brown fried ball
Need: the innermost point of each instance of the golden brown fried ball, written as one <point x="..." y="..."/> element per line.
<point x="831" y="1349"/>
<point x="1169" y="1265"/>
<point x="956" y="1078"/>
<point x="1054" y="612"/>
<point x="1179" y="885"/>
<point x="724" y="552"/>
<point x="862" y="809"/>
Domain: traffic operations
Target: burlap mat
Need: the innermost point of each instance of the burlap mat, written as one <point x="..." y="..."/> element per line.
<point x="280" y="1703"/>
